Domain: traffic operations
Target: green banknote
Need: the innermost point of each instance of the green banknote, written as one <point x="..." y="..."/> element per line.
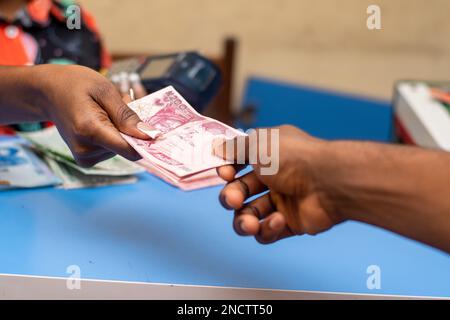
<point x="50" y="142"/>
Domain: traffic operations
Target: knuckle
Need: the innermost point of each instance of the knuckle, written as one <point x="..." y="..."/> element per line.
<point x="310" y="224"/>
<point x="103" y="89"/>
<point x="84" y="129"/>
<point x="79" y="129"/>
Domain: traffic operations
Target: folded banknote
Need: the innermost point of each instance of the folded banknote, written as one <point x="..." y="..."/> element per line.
<point x="74" y="179"/>
<point x="50" y="142"/>
<point x="182" y="152"/>
<point x="51" y="148"/>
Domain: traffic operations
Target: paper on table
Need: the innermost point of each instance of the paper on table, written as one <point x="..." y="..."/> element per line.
<point x="21" y="168"/>
<point x="50" y="142"/>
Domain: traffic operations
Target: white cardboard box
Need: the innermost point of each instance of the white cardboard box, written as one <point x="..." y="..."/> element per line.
<point x="419" y="118"/>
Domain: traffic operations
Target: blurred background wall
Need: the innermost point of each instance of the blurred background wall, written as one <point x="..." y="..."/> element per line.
<point x="319" y="42"/>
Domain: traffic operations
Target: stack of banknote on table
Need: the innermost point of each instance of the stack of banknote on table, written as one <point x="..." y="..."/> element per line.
<point x="181" y="154"/>
<point x="47" y="161"/>
<point x="20" y="167"/>
<point x="50" y="146"/>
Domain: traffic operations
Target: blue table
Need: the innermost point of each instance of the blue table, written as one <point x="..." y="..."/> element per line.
<point x="152" y="233"/>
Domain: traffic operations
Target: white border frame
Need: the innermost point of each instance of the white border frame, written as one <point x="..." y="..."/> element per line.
<point x="26" y="287"/>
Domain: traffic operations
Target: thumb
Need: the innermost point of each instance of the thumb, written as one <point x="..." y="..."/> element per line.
<point x="252" y="148"/>
<point x="236" y="150"/>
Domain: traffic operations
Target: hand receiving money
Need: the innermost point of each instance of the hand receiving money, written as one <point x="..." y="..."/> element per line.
<point x="294" y="203"/>
<point x="321" y="183"/>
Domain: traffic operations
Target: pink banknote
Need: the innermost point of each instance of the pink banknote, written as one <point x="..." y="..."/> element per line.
<point x="182" y="153"/>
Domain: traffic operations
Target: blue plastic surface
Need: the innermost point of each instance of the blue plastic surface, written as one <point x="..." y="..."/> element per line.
<point x="325" y="114"/>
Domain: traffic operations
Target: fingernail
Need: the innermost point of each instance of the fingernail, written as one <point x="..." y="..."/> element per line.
<point x="223" y="202"/>
<point x="243" y="227"/>
<point x="148" y="130"/>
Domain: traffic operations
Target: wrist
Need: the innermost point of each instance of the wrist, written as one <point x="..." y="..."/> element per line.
<point x="336" y="169"/>
<point x="22" y="98"/>
<point x="41" y="89"/>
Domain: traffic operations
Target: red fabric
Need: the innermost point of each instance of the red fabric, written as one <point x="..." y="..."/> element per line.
<point x="57" y="13"/>
<point x="402" y="133"/>
<point x="48" y="124"/>
<point x="39" y="10"/>
<point x="13" y="52"/>
<point x="7" y="131"/>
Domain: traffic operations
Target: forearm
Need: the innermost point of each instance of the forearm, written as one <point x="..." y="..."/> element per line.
<point x="403" y="189"/>
<point x="21" y="96"/>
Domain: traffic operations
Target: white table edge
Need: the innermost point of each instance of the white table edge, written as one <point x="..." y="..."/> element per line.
<point x="25" y="287"/>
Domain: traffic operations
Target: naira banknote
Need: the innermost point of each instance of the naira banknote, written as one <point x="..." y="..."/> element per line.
<point x="21" y="168"/>
<point x="182" y="153"/>
<point x="74" y="179"/>
<point x="50" y="142"/>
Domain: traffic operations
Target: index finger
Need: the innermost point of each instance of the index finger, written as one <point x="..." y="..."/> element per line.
<point x="228" y="172"/>
<point x="107" y="136"/>
<point x="125" y="119"/>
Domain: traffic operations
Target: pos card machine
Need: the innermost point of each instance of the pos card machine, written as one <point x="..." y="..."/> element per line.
<point x="196" y="78"/>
